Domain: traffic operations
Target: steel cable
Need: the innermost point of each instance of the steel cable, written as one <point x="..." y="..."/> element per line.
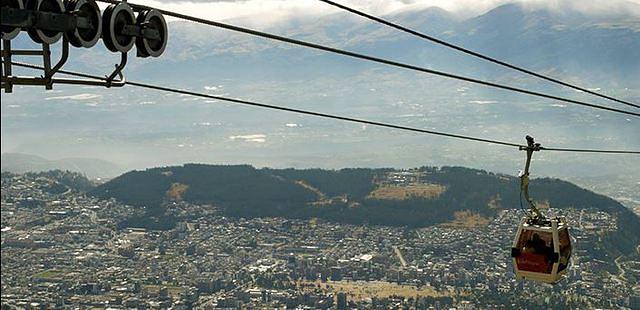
<point x="371" y="58"/>
<point x="326" y="115"/>
<point x="472" y="53"/>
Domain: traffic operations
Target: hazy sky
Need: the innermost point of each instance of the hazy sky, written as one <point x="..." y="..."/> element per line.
<point x="139" y="129"/>
<point x="265" y="12"/>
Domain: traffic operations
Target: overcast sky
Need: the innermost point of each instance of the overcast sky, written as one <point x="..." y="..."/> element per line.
<point x="265" y="12"/>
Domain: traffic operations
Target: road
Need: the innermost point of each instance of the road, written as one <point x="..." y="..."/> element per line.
<point x="399" y="254"/>
<point x="621" y="275"/>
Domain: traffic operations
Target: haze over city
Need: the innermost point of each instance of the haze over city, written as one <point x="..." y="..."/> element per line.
<point x="319" y="159"/>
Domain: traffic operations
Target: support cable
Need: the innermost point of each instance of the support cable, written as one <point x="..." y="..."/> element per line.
<point x="371" y="58"/>
<point x="325" y="115"/>
<point x="472" y="53"/>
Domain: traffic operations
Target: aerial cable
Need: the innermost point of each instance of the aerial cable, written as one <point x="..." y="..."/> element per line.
<point x="370" y="58"/>
<point x="476" y="54"/>
<point x="325" y="115"/>
<point x="555" y="149"/>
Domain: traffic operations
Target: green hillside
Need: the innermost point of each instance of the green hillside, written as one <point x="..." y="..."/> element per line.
<point x="344" y="195"/>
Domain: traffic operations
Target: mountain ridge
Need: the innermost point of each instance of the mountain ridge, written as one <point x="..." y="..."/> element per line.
<point x="346" y="195"/>
<point x="91" y="167"/>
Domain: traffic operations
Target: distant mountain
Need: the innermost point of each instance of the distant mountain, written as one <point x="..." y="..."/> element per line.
<point x="561" y="40"/>
<point x="540" y="39"/>
<point x="91" y="167"/>
<point x="354" y="195"/>
<point x="142" y="128"/>
<point x="57" y="181"/>
<point x="558" y="41"/>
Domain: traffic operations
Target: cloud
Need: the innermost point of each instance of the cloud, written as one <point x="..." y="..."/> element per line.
<point x="253" y="13"/>
<point x="481" y="102"/>
<point x="257" y="138"/>
<point x="79" y="97"/>
<point x="264" y="13"/>
<point x="213" y="87"/>
<point x="631" y="7"/>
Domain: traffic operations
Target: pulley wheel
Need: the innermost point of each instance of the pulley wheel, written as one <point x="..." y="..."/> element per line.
<point x="115" y="18"/>
<point x="153" y="20"/>
<point x="85" y="37"/>
<point x="40" y="35"/>
<point x="9" y="32"/>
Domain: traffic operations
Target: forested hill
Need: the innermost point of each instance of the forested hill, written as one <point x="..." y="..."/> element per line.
<point x="413" y="198"/>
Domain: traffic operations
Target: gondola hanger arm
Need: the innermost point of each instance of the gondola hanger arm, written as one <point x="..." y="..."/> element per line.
<point x="531" y="147"/>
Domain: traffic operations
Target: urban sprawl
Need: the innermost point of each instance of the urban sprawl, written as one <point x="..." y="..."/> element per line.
<point x="67" y="250"/>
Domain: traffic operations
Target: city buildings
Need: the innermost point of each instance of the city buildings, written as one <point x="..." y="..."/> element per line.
<point x="67" y="250"/>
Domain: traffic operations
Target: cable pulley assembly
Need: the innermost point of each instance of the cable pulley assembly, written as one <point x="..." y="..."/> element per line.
<point x="118" y="18"/>
<point x="153" y="38"/>
<point x="48" y="22"/>
<point x="89" y="28"/>
<point x="9" y="8"/>
<point x="81" y="24"/>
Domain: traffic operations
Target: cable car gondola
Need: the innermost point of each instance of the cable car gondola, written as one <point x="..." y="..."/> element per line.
<point x="542" y="247"/>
